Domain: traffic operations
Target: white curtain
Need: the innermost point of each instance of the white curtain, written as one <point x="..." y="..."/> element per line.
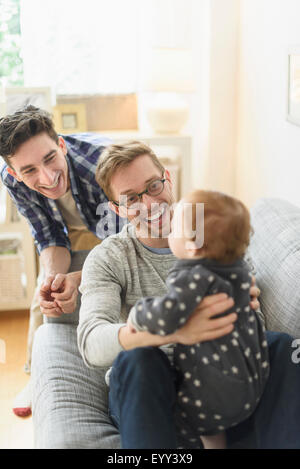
<point x="86" y="46"/>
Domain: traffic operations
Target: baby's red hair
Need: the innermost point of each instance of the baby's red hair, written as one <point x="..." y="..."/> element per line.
<point x="227" y="227"/>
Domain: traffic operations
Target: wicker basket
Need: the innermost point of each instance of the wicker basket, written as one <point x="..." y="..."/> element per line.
<point x="11" y="274"/>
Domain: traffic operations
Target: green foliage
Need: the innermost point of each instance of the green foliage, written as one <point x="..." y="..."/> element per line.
<point x="11" y="64"/>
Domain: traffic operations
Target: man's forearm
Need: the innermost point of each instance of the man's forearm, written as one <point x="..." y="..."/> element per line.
<point x="55" y="260"/>
<point x="130" y="340"/>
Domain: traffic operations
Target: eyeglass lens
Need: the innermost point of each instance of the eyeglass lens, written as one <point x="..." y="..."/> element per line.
<point x="154" y="188"/>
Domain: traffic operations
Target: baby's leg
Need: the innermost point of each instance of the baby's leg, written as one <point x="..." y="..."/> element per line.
<point x="217" y="441"/>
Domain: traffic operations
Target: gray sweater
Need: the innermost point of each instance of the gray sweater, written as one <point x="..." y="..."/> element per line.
<point x="115" y="275"/>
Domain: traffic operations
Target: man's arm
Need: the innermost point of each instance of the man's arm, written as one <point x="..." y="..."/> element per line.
<point x="45" y="229"/>
<point x="99" y="326"/>
<point x="99" y="316"/>
<point x="59" y="291"/>
<point x="200" y="327"/>
<point x="101" y="333"/>
<point x="166" y="314"/>
<point x="55" y="259"/>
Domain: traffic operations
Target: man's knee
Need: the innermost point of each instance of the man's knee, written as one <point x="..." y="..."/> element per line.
<point x="280" y="344"/>
<point x="142" y="361"/>
<point x="284" y="369"/>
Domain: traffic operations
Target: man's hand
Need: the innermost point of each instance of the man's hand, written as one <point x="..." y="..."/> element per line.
<point x="47" y="304"/>
<point x="202" y="326"/>
<point x="58" y="294"/>
<point x="254" y="293"/>
<point x="130" y="327"/>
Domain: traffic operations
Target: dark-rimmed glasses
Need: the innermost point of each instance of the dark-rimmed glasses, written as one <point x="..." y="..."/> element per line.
<point x="154" y="188"/>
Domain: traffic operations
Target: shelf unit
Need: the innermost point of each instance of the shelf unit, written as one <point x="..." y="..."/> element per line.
<point x="17" y="271"/>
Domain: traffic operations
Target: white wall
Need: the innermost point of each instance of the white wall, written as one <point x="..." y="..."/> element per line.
<point x="268" y="147"/>
<point x="214" y="104"/>
<point x="242" y="142"/>
<point x="222" y="96"/>
<point x="210" y="29"/>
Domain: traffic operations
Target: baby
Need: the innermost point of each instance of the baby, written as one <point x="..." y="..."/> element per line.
<point x="220" y="382"/>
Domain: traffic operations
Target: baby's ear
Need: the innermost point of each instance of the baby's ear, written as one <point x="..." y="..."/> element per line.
<point x="191" y="245"/>
<point x="192" y="249"/>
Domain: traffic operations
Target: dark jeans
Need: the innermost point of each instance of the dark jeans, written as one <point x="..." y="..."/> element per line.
<point x="275" y="423"/>
<point x="143" y="395"/>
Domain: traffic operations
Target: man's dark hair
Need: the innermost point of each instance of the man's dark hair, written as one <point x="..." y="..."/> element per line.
<point x="19" y="127"/>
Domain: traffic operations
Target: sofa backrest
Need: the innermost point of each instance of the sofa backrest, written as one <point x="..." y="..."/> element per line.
<point x="275" y="253"/>
<point x="77" y="261"/>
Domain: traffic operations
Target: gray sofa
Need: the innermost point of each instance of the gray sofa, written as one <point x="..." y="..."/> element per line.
<point x="67" y="409"/>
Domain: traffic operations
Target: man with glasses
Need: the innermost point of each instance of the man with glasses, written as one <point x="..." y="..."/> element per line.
<point x="134" y="264"/>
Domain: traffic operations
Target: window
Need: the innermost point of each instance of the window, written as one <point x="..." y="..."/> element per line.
<point x="74" y="47"/>
<point x="86" y="47"/>
<point x="11" y="64"/>
<point x="80" y="47"/>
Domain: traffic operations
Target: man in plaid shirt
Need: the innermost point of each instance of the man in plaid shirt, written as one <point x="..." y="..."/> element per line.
<point x="51" y="180"/>
<point x="40" y="169"/>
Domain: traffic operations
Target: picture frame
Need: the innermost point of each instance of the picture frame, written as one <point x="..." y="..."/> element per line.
<point x="17" y="98"/>
<point x="293" y="86"/>
<point x="70" y="118"/>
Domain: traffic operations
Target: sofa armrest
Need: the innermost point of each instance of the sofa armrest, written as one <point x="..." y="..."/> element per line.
<point x="275" y="252"/>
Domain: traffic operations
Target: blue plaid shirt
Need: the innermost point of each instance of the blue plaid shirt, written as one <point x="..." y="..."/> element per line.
<point x="46" y="222"/>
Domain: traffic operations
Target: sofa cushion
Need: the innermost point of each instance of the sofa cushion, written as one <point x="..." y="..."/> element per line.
<point x="275" y="252"/>
<point x="70" y="401"/>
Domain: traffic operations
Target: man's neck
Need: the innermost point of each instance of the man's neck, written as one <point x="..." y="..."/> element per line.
<point x="154" y="242"/>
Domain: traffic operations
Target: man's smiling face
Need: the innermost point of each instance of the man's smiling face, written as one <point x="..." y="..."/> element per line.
<point x="41" y="165"/>
<point x="153" y="212"/>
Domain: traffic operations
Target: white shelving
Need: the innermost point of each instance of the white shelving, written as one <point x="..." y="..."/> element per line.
<point x="17" y="269"/>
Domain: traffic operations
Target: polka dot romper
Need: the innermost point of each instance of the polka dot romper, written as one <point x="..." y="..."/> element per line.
<point x="219" y="382"/>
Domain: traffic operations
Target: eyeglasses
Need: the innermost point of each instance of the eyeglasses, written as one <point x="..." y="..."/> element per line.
<point x="154" y="188"/>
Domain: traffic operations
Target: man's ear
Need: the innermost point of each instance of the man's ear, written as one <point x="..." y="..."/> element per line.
<point x="114" y="207"/>
<point x="120" y="211"/>
<point x="62" y="144"/>
<point x="167" y="176"/>
<point x="13" y="173"/>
